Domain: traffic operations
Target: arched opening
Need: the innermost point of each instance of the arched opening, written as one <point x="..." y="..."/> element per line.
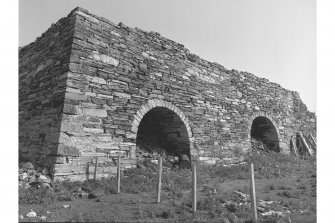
<point x="161" y="131"/>
<point x="263" y="129"/>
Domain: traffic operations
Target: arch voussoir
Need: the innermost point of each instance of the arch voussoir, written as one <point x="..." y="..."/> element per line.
<point x="154" y="103"/>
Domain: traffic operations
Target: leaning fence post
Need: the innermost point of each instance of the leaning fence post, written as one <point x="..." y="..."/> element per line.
<point x="310" y="152"/>
<point x="95" y="168"/>
<point x="313" y="139"/>
<point x="194" y="191"/>
<point x="159" y="185"/>
<point x="253" y="194"/>
<point x="118" y="174"/>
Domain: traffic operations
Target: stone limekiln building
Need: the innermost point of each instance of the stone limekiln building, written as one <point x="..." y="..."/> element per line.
<point x="88" y="87"/>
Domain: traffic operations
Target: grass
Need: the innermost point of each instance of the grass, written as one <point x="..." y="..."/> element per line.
<point x="269" y="187"/>
<point x="288" y="194"/>
<point x="177" y="184"/>
<point x="62" y="191"/>
<point x="267" y="165"/>
<point x="36" y="196"/>
<point x="156" y="211"/>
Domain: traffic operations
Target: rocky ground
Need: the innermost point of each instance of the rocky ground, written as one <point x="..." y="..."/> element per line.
<point x="285" y="190"/>
<point x="31" y="177"/>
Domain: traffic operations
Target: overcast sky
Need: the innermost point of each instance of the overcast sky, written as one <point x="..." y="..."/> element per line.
<point x="274" y="39"/>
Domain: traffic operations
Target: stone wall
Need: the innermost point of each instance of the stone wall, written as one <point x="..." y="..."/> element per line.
<point x="119" y="76"/>
<point x="43" y="66"/>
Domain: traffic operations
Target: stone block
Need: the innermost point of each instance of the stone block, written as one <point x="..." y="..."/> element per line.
<point x="97" y="80"/>
<point x="70" y="126"/>
<point x="143" y="67"/>
<point x="95" y="112"/>
<point x="89" y="17"/>
<point x="75" y="96"/>
<point x="65" y="150"/>
<point x="70" y="109"/>
<point x="104" y="59"/>
<point x="122" y="95"/>
<point x="93" y="130"/>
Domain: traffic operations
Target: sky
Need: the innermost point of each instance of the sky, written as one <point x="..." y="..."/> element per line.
<point x="274" y="39"/>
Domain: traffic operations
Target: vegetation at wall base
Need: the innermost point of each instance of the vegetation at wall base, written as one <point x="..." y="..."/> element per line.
<point x="217" y="198"/>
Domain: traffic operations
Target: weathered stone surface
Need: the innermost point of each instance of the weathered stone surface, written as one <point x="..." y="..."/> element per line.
<point x="105" y="59"/>
<point x="31" y="214"/>
<point x="28" y="166"/>
<point x="76" y="96"/>
<point x="70" y="109"/>
<point x="95" y="193"/>
<point x="43" y="179"/>
<point x="95" y="112"/>
<point x="64" y="150"/>
<point x="80" y="83"/>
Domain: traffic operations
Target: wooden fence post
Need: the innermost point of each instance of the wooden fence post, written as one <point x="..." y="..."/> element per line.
<point x="194" y="191"/>
<point x="253" y="194"/>
<point x="118" y="174"/>
<point x="159" y="185"/>
<point x="294" y="147"/>
<point x="87" y="171"/>
<point x="95" y="168"/>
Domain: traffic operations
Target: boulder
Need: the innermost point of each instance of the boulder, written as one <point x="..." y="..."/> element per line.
<point x="95" y="193"/>
<point x="32" y="214"/>
<point x="225" y="220"/>
<point x="46" y="185"/>
<point x="32" y="172"/>
<point x="28" y="166"/>
<point x="24" y="176"/>
<point x="45" y="171"/>
<point x="185" y="162"/>
<point x="30" y="179"/>
<point x="43" y="179"/>
<point x="232" y="217"/>
<point x="22" y="184"/>
<point x="85" y="189"/>
<point x="39" y="169"/>
<point x="83" y="194"/>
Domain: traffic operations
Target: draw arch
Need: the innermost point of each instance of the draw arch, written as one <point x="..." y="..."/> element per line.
<point x="162" y="125"/>
<point x="264" y="128"/>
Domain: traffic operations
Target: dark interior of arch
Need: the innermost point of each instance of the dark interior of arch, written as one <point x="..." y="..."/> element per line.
<point x="161" y="130"/>
<point x="262" y="129"/>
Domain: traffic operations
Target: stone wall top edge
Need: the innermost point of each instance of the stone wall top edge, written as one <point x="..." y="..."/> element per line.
<point x="35" y="42"/>
<point x="197" y="60"/>
<point x="152" y="33"/>
<point x="186" y="51"/>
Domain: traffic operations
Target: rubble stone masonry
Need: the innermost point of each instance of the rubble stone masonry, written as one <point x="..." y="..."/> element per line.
<point x="89" y="87"/>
